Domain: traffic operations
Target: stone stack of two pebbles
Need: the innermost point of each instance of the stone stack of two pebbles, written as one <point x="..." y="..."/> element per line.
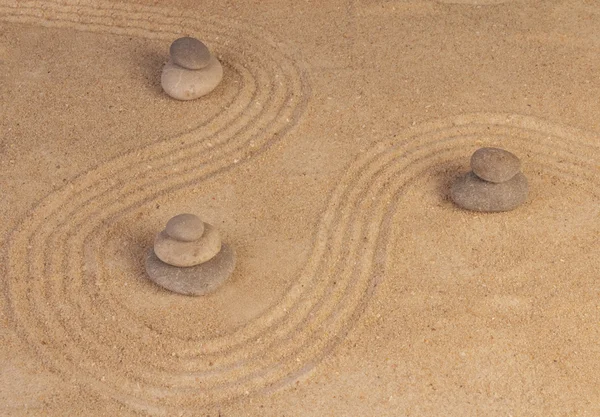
<point x="192" y="71"/>
<point x="188" y="257"/>
<point x="495" y="183"/>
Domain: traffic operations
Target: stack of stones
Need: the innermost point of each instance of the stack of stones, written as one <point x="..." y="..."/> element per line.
<point x="188" y="257"/>
<point x="192" y="71"/>
<point x="495" y="183"/>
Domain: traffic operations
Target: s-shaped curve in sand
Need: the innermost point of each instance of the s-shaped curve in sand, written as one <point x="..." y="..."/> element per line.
<point x="56" y="265"/>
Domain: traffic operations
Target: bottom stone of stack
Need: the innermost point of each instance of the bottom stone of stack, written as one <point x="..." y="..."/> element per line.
<point x="472" y="193"/>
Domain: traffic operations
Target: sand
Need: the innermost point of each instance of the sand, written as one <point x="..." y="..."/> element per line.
<point x="325" y="158"/>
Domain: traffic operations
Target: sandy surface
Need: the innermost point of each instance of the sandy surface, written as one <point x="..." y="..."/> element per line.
<point x="324" y="158"/>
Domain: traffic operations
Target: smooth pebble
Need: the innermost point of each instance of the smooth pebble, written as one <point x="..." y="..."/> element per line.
<point x="185" y="84"/>
<point x="189" y="53"/>
<point x="185" y="227"/>
<point x="494" y="164"/>
<point x="185" y="254"/>
<point x="196" y="280"/>
<point x="473" y="193"/>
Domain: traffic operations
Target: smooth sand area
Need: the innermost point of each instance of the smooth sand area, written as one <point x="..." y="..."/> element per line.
<point x="325" y="158"/>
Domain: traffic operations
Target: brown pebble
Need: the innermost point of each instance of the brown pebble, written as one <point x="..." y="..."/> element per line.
<point x="495" y="164"/>
<point x="185" y="84"/>
<point x="189" y="53"/>
<point x="473" y="193"/>
<point x="185" y="227"/>
<point x="196" y="280"/>
<point x="185" y="254"/>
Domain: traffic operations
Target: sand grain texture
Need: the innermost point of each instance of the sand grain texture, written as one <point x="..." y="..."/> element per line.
<point x="324" y="158"/>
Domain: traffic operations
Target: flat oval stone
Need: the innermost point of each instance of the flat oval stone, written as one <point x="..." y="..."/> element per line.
<point x="494" y="164"/>
<point x="189" y="53"/>
<point x="473" y="193"/>
<point x="196" y="280"/>
<point x="185" y="84"/>
<point x="185" y="227"/>
<point x="184" y="254"/>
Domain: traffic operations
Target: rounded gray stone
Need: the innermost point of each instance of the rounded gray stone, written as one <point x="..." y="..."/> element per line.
<point x="473" y="193"/>
<point x="189" y="53"/>
<point x="495" y="164"/>
<point x="196" y="280"/>
<point x="177" y="253"/>
<point x="186" y="84"/>
<point x="185" y="227"/>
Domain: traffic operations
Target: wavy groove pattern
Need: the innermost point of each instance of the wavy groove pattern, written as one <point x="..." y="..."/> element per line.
<point x="57" y="262"/>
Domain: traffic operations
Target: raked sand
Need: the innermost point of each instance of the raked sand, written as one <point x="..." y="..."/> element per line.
<point x="325" y="159"/>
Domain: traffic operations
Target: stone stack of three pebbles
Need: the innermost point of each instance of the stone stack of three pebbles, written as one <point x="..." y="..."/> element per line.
<point x="188" y="257"/>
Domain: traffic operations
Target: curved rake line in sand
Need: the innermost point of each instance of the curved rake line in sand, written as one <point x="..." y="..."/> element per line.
<point x="152" y="151"/>
<point x="272" y="133"/>
<point x="306" y="364"/>
<point x="127" y="192"/>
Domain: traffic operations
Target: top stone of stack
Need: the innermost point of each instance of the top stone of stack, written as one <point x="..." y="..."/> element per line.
<point x="495" y="165"/>
<point x="187" y="241"/>
<point x="189" y="53"/>
<point x="185" y="227"/>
